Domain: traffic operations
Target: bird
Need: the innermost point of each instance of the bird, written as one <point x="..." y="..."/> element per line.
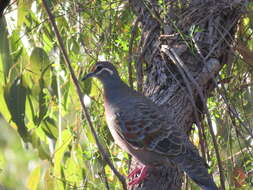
<point x="141" y="128"/>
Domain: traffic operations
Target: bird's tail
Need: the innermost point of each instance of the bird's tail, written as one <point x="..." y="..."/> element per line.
<point x="203" y="179"/>
<point x="197" y="171"/>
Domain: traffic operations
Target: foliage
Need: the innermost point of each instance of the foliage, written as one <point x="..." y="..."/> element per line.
<point x="55" y="148"/>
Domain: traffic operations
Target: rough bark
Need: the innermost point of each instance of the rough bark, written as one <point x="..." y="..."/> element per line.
<point x="181" y="63"/>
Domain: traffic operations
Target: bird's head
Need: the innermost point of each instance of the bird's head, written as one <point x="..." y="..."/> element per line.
<point x="104" y="71"/>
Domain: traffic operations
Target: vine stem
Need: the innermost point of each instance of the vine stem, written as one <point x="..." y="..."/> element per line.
<point x="78" y="89"/>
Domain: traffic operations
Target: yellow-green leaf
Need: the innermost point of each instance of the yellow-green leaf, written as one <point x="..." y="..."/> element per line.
<point x="60" y="148"/>
<point x="39" y="64"/>
<point x="49" y="180"/>
<point x="33" y="179"/>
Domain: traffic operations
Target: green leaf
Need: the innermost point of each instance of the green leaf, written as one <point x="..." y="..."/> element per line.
<point x="86" y="86"/>
<point x="49" y="128"/>
<point x="39" y="65"/>
<point x="49" y="181"/>
<point x="2" y="161"/>
<point x="73" y="171"/>
<point x="33" y="179"/>
<point x="49" y="43"/>
<point x="15" y="97"/>
<point x="41" y="77"/>
<point x="5" y="55"/>
<point x="43" y="104"/>
<point x="60" y="149"/>
<point x="38" y="144"/>
<point x="95" y="90"/>
<point x="23" y="9"/>
<point x="4" y="109"/>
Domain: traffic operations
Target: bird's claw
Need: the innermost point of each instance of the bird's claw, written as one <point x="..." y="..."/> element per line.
<point x="138" y="174"/>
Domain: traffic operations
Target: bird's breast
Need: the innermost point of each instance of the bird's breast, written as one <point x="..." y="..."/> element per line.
<point x="111" y="123"/>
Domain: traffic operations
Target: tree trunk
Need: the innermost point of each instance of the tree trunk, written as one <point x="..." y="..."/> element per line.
<point x="3" y="5"/>
<point x="183" y="46"/>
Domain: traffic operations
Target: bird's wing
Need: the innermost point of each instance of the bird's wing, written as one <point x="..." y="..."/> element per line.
<point x="146" y="127"/>
<point x="149" y="129"/>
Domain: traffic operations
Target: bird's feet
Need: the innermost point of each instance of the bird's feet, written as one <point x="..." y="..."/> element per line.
<point x="138" y="175"/>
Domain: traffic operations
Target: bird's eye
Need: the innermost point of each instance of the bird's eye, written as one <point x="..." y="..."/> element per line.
<point x="98" y="68"/>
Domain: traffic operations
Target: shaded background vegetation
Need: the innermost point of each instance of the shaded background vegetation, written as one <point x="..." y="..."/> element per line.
<point x="45" y="142"/>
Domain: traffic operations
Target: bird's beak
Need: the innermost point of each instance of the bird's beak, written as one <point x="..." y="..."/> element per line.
<point x="89" y="75"/>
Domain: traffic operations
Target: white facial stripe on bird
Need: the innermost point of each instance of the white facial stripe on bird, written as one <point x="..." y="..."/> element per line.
<point x="105" y="69"/>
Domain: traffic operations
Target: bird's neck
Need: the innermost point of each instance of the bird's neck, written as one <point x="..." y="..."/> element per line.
<point x="114" y="89"/>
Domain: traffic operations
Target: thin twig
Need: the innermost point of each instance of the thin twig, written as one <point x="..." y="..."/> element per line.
<point x="209" y="121"/>
<point x="78" y="89"/>
<point x="221" y="39"/>
<point x="232" y="111"/>
<point x="190" y="91"/>
<point x="222" y="177"/>
<point x="202" y="142"/>
<point x="188" y="85"/>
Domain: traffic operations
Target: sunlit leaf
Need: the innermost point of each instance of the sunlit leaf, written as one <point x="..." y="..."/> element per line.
<point x="5" y="56"/>
<point x="34" y="179"/>
<point x="61" y="147"/>
<point x="73" y="171"/>
<point x="49" y="181"/>
<point x="2" y="161"/>
<point x="23" y="9"/>
<point x="39" y="65"/>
